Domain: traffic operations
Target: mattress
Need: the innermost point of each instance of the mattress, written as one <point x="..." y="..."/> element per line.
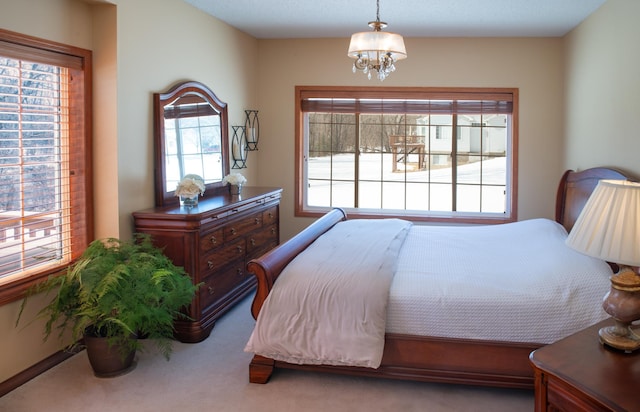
<point x="515" y="282"/>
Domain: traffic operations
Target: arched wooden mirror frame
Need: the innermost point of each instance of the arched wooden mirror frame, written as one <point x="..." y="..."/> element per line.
<point x="186" y="92"/>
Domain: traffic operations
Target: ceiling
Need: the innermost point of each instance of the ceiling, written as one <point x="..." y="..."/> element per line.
<point x="271" y="19"/>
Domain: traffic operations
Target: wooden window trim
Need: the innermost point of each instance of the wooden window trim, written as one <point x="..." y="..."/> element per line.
<point x="79" y="61"/>
<point x="346" y="92"/>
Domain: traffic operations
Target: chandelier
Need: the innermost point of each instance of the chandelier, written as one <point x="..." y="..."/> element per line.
<point x="376" y="50"/>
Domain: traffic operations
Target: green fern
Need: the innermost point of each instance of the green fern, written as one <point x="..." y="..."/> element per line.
<point x="117" y="289"/>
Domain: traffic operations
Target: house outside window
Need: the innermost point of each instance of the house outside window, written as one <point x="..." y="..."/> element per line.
<point x="422" y="154"/>
<point x="45" y="159"/>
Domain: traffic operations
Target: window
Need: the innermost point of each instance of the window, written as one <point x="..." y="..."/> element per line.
<point x="416" y="153"/>
<point x="45" y="167"/>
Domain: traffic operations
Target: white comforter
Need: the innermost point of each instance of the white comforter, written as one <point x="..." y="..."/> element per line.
<point x="329" y="304"/>
<point x="515" y="282"/>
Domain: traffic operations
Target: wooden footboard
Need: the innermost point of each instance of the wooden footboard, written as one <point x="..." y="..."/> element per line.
<point x="431" y="359"/>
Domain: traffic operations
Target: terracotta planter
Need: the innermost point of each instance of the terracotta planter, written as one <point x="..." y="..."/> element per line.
<point x="107" y="360"/>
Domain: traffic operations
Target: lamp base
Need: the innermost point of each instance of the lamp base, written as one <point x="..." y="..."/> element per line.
<point x="622" y="302"/>
<point x="620" y="336"/>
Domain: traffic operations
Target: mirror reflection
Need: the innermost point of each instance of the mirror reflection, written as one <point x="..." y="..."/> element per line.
<point x="191" y="138"/>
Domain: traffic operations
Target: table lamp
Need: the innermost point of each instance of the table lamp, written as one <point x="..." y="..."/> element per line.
<point x="608" y="228"/>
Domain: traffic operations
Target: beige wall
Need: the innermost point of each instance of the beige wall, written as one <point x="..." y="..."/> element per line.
<point x="161" y="42"/>
<point x="603" y="89"/>
<point x="535" y="66"/>
<point x="140" y="47"/>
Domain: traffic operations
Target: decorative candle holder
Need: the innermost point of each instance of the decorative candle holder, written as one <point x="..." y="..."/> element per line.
<point x="252" y="129"/>
<point x="239" y="147"/>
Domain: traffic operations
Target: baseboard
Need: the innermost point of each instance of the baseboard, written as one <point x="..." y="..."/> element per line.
<point x="35" y="370"/>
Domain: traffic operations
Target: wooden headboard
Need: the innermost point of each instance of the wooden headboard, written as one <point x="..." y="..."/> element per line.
<point x="576" y="187"/>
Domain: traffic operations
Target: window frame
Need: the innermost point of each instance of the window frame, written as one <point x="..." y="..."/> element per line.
<point x="306" y="92"/>
<point x="17" y="45"/>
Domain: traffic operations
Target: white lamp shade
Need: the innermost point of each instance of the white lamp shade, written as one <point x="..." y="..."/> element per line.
<point x="377" y="41"/>
<point x="609" y="225"/>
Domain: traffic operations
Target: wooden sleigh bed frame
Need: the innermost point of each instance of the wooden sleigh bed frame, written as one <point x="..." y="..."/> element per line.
<point x="424" y="358"/>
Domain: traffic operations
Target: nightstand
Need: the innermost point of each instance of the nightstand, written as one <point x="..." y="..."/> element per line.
<point x="578" y="373"/>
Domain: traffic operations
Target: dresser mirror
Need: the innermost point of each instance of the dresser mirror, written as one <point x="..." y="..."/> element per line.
<point x="191" y="135"/>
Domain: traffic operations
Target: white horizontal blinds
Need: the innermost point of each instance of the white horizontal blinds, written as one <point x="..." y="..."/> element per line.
<point x="35" y="195"/>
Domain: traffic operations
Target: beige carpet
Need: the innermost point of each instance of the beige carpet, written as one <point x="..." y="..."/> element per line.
<point x="213" y="376"/>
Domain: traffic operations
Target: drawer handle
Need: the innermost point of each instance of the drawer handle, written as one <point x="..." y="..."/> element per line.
<point x="211" y="290"/>
<point x="210" y="264"/>
<point x="239" y="272"/>
<point x="239" y="249"/>
<point x="213" y="240"/>
<point x="253" y="242"/>
<point x="270" y="215"/>
<point x="257" y="221"/>
<point x="273" y="230"/>
<point x="233" y="231"/>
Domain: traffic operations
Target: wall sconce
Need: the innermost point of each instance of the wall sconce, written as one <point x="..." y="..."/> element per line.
<point x="252" y="128"/>
<point x="239" y="147"/>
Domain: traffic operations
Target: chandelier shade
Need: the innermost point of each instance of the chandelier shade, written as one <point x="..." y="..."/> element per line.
<point x="376" y="50"/>
<point x="377" y="43"/>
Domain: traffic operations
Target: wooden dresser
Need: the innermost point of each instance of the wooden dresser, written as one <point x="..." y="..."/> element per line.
<point x="214" y="242"/>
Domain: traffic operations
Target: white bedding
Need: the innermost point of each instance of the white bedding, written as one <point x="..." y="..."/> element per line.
<point x="514" y="282"/>
<point x="329" y="304"/>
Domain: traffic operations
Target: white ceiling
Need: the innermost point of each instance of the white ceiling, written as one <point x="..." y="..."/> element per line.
<point x="270" y="19"/>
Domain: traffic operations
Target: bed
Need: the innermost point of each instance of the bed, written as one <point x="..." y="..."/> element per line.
<point x="464" y="343"/>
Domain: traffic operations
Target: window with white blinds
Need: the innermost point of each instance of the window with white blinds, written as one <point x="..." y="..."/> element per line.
<point x="418" y="153"/>
<point x="34" y="146"/>
<point x="44" y="160"/>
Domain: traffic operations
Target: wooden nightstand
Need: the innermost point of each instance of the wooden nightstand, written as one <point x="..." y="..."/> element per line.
<point x="580" y="374"/>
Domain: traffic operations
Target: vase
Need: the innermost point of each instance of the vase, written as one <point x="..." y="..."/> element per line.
<point x="235" y="189"/>
<point x="189" y="202"/>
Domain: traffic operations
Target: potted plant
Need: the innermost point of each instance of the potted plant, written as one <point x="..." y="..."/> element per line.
<point x="116" y="291"/>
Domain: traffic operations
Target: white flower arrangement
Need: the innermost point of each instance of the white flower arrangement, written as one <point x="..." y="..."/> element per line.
<point x="235" y="179"/>
<point x="190" y="186"/>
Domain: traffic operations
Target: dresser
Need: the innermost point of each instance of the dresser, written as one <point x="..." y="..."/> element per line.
<point x="213" y="242"/>
<point x="578" y="373"/>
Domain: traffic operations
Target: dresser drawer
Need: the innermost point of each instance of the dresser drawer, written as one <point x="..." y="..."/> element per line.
<point x="217" y="285"/>
<point x="270" y="216"/>
<point x="562" y="397"/>
<point x="211" y="240"/>
<point x="222" y="256"/>
<point x="262" y="240"/>
<point x="242" y="226"/>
